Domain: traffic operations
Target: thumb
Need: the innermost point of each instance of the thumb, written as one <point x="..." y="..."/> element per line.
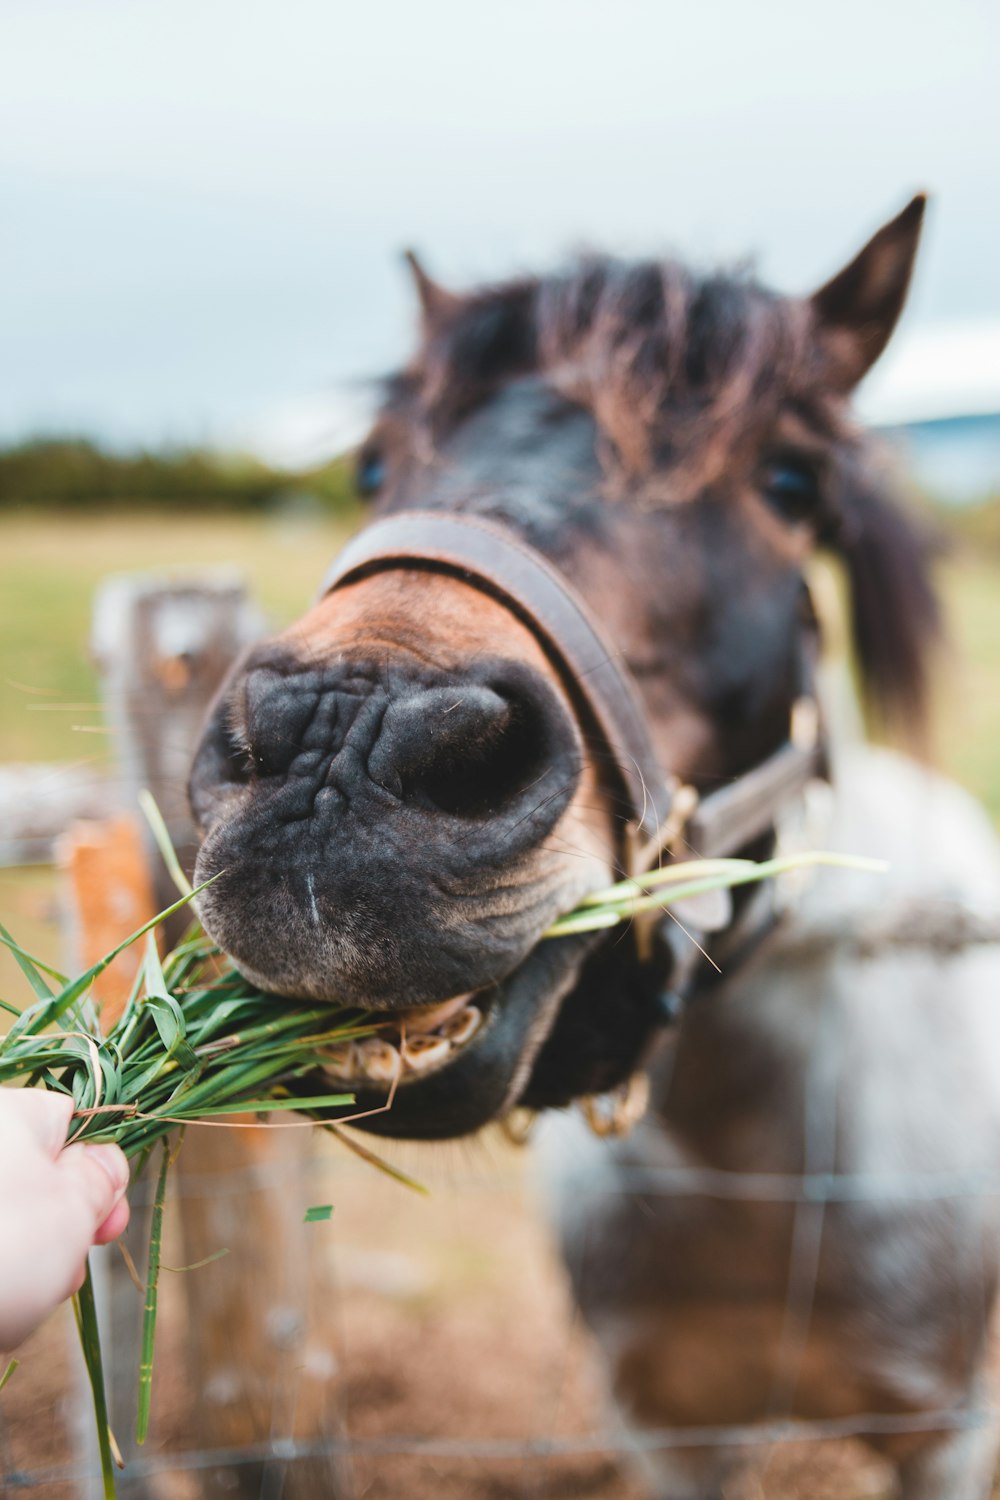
<point x="95" y="1178"/>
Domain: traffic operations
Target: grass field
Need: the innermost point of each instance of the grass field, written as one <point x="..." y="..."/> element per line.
<point x="967" y="722"/>
<point x="50" y="566"/>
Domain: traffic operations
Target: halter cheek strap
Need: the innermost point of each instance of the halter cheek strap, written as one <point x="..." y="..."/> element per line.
<point x="658" y="812"/>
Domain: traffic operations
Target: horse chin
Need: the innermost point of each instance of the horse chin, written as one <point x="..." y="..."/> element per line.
<point x="447" y="1070"/>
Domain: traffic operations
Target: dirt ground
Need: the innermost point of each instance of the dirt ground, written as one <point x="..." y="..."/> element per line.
<point x="442" y="1318"/>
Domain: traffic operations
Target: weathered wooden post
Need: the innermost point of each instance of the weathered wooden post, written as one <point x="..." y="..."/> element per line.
<point x="163" y="648"/>
<point x="256" y="1334"/>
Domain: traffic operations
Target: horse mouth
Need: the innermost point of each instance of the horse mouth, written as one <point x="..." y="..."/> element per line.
<point x="447" y="1069"/>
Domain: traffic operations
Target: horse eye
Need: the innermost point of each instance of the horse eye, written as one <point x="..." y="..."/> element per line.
<point x="370" y="474"/>
<point x="791" y="486"/>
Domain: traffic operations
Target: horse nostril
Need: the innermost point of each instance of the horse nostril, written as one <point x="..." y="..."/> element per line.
<point x="468" y="751"/>
<point x="279" y="707"/>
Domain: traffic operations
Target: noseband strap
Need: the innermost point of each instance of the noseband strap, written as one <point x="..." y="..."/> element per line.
<point x="657" y="812"/>
<point x="603" y="694"/>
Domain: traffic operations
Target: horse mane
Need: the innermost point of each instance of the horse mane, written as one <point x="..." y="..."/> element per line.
<point x="679" y="372"/>
<point x="675" y="368"/>
<point x="896" y="622"/>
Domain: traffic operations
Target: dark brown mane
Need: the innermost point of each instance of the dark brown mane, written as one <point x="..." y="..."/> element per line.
<point x="677" y="369"/>
<point x="896" y="623"/>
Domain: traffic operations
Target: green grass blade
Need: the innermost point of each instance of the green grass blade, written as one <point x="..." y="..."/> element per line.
<point x="376" y="1161"/>
<point x="28" y="967"/>
<point x="85" y="1309"/>
<point x="318" y="1214"/>
<point x="149" y="1310"/>
<point x="168" y="1018"/>
<point x="11" y="1367"/>
<point x="164" y="842"/>
<point x="36" y="963"/>
<point x="586" y="921"/>
<point x="620" y="902"/>
<point x="266" y="1106"/>
<point x="152" y="974"/>
<point x="688" y="869"/>
<point x="67" y="997"/>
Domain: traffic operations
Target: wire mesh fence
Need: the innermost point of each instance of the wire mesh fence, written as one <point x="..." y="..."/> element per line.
<point x="448" y="1353"/>
<point x="431" y="1347"/>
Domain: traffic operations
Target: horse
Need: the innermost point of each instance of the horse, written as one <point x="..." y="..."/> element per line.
<point x="577" y="640"/>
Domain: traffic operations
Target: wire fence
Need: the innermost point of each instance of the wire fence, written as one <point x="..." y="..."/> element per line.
<point x="459" y="1193"/>
<point x="751" y="1435"/>
<point x="309" y="1404"/>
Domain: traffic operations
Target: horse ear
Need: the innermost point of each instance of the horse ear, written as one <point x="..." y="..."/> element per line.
<point x="436" y="302"/>
<point x="857" y="311"/>
<point x="896" y="622"/>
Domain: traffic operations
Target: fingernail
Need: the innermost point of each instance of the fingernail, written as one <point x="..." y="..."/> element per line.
<point x="112" y="1161"/>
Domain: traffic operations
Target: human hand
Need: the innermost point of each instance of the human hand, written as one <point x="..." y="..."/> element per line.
<point x="56" y="1201"/>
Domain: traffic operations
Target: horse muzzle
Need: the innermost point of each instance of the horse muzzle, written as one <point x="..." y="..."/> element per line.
<point x="376" y="824"/>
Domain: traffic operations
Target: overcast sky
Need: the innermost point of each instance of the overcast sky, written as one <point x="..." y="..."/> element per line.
<point x="204" y="200"/>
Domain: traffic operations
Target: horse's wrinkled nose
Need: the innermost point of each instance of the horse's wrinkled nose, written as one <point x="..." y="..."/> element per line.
<point x="475" y="750"/>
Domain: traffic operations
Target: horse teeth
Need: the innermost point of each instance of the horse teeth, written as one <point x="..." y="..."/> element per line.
<point x="463" y="1027"/>
<point x="421" y="1018"/>
<point x="378" y="1060"/>
<point x="423" y="1052"/>
<point x="342" y="1062"/>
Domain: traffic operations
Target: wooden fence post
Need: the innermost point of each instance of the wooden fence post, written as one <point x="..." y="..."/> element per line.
<point x="163" y="649"/>
<point x="256" y="1329"/>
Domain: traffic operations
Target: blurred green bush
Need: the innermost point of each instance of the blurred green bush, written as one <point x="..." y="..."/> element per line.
<point x="77" y="474"/>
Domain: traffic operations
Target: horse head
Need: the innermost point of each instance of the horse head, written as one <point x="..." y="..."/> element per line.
<point x="401" y="792"/>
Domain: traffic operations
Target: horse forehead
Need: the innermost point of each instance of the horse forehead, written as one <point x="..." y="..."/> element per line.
<point x="528" y="443"/>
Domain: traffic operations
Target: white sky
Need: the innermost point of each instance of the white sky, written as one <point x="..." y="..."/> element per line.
<point x="204" y="200"/>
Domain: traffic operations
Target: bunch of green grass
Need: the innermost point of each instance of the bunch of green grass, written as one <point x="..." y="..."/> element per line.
<point x="196" y="1042"/>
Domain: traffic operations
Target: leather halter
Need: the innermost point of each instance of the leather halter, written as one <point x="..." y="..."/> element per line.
<point x="659" y="812"/>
